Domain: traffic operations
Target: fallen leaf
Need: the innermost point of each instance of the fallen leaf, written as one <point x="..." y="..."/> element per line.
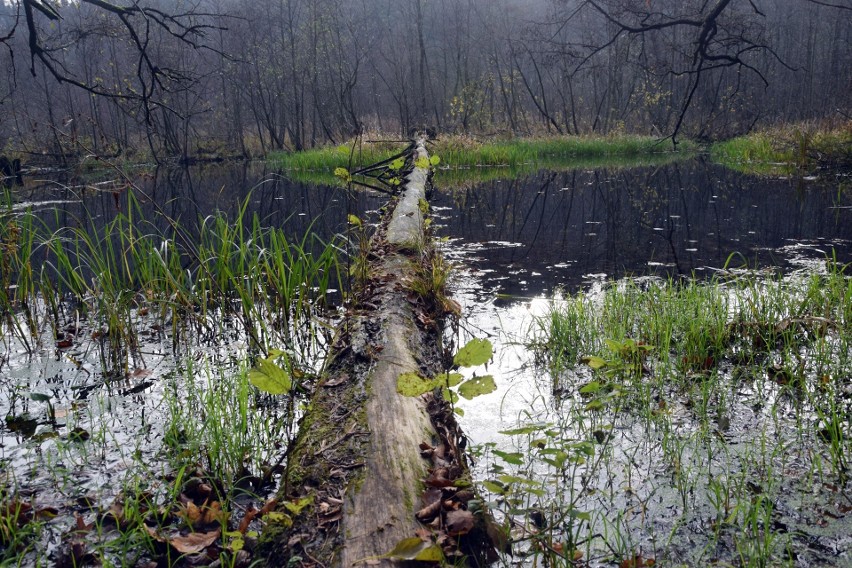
<point x="140" y="373"/>
<point x="431" y="495"/>
<point x="251" y="513"/>
<point x="415" y="549"/>
<point x="429" y="512"/>
<point x="80" y="525"/>
<point x="153" y="533"/>
<point x="268" y="506"/>
<point x="194" y="542"/>
<point x="459" y="522"/>
<point x="337" y="381"/>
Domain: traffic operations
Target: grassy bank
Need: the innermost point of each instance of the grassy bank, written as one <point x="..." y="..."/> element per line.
<point x="787" y="149"/>
<point x="692" y="424"/>
<point x="464" y="157"/>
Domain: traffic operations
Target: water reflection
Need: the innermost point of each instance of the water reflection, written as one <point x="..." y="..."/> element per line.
<point x="560" y="229"/>
<point x="187" y="195"/>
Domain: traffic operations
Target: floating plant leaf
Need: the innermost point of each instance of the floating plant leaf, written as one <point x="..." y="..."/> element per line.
<point x="477" y="386"/>
<point x="269" y="377"/>
<point x="476" y="352"/>
<point x="435" y="160"/>
<point x="397" y="164"/>
<point x="422" y="162"/>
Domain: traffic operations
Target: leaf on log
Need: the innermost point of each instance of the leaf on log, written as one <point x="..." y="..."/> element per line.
<point x="459" y="522"/>
<point x="415" y="548"/>
<point x="412" y="384"/>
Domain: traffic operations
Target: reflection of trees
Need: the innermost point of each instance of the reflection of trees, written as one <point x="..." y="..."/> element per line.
<point x="552" y="216"/>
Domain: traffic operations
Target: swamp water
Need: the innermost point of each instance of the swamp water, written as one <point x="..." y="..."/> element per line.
<point x="675" y="464"/>
<point x="516" y="243"/>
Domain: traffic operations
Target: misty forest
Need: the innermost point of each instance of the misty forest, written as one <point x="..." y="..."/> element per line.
<point x="316" y="283"/>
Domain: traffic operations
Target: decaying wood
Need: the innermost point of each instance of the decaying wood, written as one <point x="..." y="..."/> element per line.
<point x="358" y="457"/>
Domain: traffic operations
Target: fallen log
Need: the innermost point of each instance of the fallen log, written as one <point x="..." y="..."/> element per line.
<point x="376" y="477"/>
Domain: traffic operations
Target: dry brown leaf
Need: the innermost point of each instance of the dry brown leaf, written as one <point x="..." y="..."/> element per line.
<point x="251" y="513"/>
<point x="153" y="533"/>
<point x="459" y="522"/>
<point x="270" y="505"/>
<point x="429" y="512"/>
<point x="213" y="514"/>
<point x="337" y="381"/>
<point x="194" y="542"/>
<point x="80" y="525"/>
<point x="431" y="495"/>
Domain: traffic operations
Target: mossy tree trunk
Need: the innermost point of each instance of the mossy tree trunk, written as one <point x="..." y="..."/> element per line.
<point x="356" y="465"/>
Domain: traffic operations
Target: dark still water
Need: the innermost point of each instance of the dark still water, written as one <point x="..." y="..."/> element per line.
<point x="570" y="228"/>
<point x="188" y="195"/>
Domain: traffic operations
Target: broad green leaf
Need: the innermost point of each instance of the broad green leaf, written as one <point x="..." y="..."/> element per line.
<point x="477" y="386"/>
<point x="459" y="411"/>
<point x="594" y="405"/>
<point x="525" y="429"/>
<point x="594" y="362"/>
<point x="397" y="164"/>
<point x="236" y="544"/>
<point x="269" y="377"/>
<point x="343" y="149"/>
<point x="278" y="517"/>
<point x="353" y="220"/>
<point x="435" y="160"/>
<point x="450" y="395"/>
<point x="417" y="549"/>
<point x="297" y="506"/>
<point x="422" y="162"/>
<point x="476" y="352"/>
<point x="510" y="457"/>
<point x="412" y="384"/>
<point x="275" y="353"/>
<point x="580" y="514"/>
<point x="450" y="379"/>
<point x="494" y="487"/>
<point x="591" y="388"/>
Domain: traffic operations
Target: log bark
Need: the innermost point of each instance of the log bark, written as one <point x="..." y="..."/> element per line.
<point x="357" y="458"/>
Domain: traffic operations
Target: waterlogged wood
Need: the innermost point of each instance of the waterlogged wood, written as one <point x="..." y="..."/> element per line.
<point x="357" y="458"/>
<point x="405" y="229"/>
<point x="380" y="514"/>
